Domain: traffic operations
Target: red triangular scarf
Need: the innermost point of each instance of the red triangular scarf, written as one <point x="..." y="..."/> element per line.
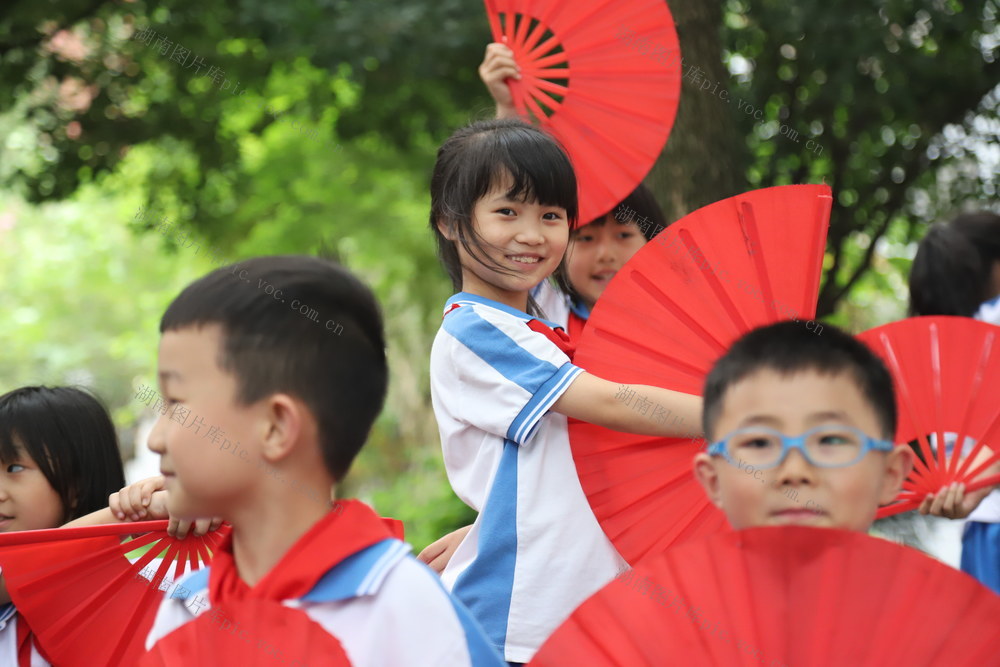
<point x="557" y="336"/>
<point x="25" y="641"/>
<point x="574" y="327"/>
<point x="333" y="538"/>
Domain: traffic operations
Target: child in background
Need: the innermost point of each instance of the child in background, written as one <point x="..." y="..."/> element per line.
<point x="956" y="271"/>
<point x="596" y="252"/>
<point x="597" y="249"/>
<point x="60" y="462"/>
<point x="802" y="429"/>
<point x="301" y="401"/>
<point x="503" y="198"/>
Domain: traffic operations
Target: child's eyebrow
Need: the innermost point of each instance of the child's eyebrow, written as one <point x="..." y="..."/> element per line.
<point x="760" y="420"/>
<point x="829" y="415"/>
<point x="166" y="376"/>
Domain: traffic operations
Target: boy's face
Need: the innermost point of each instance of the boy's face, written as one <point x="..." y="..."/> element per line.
<point x="795" y="491"/>
<point x="208" y="444"/>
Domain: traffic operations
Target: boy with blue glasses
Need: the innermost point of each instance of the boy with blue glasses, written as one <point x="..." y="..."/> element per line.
<point x="802" y="429"/>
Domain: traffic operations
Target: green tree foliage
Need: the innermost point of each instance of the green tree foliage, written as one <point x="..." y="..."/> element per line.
<point x="867" y="87"/>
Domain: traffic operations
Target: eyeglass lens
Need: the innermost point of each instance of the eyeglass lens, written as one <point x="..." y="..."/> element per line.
<point x="826" y="446"/>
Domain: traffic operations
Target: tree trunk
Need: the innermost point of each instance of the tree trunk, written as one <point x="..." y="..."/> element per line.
<point x="705" y="157"/>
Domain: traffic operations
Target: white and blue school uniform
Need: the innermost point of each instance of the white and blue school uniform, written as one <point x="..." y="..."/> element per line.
<point x="536" y="551"/>
<point x="9" y="640"/>
<point x="556" y="305"/>
<point x="384" y="607"/>
<point x="981" y="533"/>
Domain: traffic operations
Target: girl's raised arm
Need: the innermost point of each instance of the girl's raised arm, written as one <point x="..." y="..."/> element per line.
<point x="592" y="399"/>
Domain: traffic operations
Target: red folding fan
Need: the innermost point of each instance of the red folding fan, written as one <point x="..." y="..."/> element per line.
<point x="946" y="371"/>
<point x="85" y="601"/>
<point x="603" y="76"/>
<point x="782" y="596"/>
<point x="251" y="633"/>
<point x="664" y="319"/>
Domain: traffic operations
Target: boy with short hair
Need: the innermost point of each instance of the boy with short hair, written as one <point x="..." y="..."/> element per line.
<point x="829" y="398"/>
<point x="301" y="400"/>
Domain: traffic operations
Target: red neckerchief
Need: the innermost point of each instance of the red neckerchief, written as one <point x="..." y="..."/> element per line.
<point x="575" y="326"/>
<point x="24" y="642"/>
<point x="332" y="539"/>
<point x="557" y="336"/>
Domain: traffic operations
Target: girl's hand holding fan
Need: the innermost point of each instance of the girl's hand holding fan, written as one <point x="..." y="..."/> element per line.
<point x="147" y="499"/>
<point x="498" y="65"/>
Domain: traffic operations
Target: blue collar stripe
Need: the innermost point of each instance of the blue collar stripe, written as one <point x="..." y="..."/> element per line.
<point x="190" y="584"/>
<point x="359" y="574"/>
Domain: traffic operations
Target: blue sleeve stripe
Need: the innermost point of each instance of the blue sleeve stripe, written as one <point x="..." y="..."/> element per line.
<point x="523" y="426"/>
<point x="498" y="349"/>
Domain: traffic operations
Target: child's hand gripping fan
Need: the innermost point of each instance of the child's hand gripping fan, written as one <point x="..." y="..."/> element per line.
<point x="603" y="77"/>
<point x="83" y="598"/>
<point x="781" y="597"/>
<point x="665" y="318"/>
<point x="946" y="372"/>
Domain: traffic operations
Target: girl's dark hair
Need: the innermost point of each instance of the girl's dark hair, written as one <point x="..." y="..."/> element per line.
<point x="481" y="156"/>
<point x="639" y="207"/>
<point x="952" y="270"/>
<point x="71" y="438"/>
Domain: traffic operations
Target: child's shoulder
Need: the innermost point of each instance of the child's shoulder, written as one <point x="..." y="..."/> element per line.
<point x="483" y="325"/>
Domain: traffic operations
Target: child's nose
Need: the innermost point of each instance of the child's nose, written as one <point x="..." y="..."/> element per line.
<point x="531" y="234"/>
<point x="156" y="442"/>
<point x="795" y="468"/>
<point x="605" y="251"/>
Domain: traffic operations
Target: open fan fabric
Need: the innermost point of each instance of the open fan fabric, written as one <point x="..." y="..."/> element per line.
<point x="783" y="596"/>
<point x="946" y="373"/>
<point x="603" y="77"/>
<point x="86" y="602"/>
<point x="664" y="319"/>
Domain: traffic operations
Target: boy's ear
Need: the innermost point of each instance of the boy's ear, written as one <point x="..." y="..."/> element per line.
<point x="286" y="419"/>
<point x="898" y="464"/>
<point x="708" y="477"/>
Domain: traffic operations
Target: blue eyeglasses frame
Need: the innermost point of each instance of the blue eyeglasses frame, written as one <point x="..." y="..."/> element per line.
<point x="790" y="442"/>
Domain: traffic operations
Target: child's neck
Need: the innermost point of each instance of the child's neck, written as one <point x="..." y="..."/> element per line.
<point x="517" y="299"/>
<point x="268" y="528"/>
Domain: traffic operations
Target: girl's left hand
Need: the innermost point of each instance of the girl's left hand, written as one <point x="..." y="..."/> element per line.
<point x="951" y="502"/>
<point x="132" y="502"/>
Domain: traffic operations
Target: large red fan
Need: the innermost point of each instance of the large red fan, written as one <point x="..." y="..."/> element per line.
<point x="946" y="371"/>
<point x="86" y="603"/>
<point x="665" y="318"/>
<point x="251" y="633"/>
<point x="783" y="596"/>
<point x="603" y="76"/>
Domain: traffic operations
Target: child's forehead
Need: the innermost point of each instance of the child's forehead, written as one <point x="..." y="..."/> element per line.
<point x="189" y="351"/>
<point x="795" y="398"/>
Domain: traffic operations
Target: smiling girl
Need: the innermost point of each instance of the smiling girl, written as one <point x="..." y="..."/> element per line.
<point x="503" y="201"/>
